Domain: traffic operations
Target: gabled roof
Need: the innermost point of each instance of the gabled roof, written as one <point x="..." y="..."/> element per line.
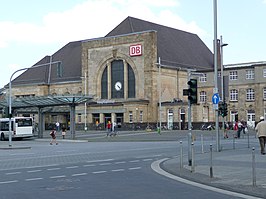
<point x="70" y="58"/>
<point x="175" y="47"/>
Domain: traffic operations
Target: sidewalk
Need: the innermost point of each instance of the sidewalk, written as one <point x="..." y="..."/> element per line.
<point x="232" y="170"/>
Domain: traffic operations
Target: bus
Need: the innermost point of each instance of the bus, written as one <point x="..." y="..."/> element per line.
<point x="21" y="127"/>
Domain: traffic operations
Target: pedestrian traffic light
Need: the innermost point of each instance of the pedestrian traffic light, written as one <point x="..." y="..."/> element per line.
<point x="192" y="91"/>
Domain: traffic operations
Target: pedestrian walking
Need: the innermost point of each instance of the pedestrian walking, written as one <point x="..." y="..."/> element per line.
<point x="109" y="128"/>
<point x="53" y="135"/>
<point x="63" y="132"/>
<point x="261" y="133"/>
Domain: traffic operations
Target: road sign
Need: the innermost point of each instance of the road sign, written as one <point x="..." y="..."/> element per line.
<point x="215" y="98"/>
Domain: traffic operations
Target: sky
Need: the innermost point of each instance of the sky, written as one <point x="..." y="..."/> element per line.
<point x="32" y="29"/>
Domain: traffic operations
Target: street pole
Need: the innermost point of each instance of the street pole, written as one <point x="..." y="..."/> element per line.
<point x="215" y="76"/>
<point x="10" y="95"/>
<point x="222" y="77"/>
<point x="189" y="128"/>
<point x="85" y="105"/>
<point x="160" y="98"/>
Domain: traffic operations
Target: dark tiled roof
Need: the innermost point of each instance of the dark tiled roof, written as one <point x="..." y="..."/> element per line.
<point x="175" y="47"/>
<point x="70" y="57"/>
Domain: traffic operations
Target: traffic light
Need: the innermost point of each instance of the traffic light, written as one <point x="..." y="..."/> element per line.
<point x="223" y="109"/>
<point x="192" y="91"/>
<point x="220" y="108"/>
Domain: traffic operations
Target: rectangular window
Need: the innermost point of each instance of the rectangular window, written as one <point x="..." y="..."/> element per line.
<point x="79" y="118"/>
<point x="250" y="74"/>
<point x="250" y="94"/>
<point x="264" y="72"/>
<point x="203" y="96"/>
<point x="233" y="75"/>
<point x="233" y="95"/>
<point x="130" y="117"/>
<point x="203" y="78"/>
<point x="264" y="93"/>
<point x="140" y="116"/>
<point x="59" y="70"/>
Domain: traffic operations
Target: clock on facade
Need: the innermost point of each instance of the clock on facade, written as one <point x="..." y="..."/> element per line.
<point x="118" y="86"/>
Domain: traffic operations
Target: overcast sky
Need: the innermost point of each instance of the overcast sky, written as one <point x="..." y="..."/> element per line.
<point x="32" y="29"/>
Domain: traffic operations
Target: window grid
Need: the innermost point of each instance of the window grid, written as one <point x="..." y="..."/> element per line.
<point x="203" y="78"/>
<point x="233" y="95"/>
<point x="233" y="75"/>
<point x="264" y="72"/>
<point x="264" y="93"/>
<point x="250" y="74"/>
<point x="203" y="96"/>
<point x="250" y="94"/>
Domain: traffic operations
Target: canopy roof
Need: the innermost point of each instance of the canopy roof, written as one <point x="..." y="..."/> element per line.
<point x="46" y="101"/>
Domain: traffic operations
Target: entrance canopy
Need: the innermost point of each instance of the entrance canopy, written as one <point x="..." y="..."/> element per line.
<point x="41" y="102"/>
<point x="46" y="101"/>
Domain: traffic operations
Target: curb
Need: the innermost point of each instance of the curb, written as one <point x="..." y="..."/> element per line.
<point x="14" y="147"/>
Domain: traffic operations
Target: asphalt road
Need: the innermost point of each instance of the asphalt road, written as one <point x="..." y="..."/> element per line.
<point x="95" y="170"/>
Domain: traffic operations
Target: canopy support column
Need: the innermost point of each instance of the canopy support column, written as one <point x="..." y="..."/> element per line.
<point x="72" y="120"/>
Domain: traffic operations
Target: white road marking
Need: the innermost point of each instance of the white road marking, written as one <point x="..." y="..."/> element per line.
<point x="33" y="179"/>
<point x="8" y="182"/>
<point x="104" y="164"/>
<point x="89" y="165"/>
<point x="13" y="173"/>
<point x="105" y="160"/>
<point x="34" y="171"/>
<point x="117" y="170"/>
<point x="62" y="176"/>
<point x="122" y="162"/>
<point x="156" y="167"/>
<point x="132" y="161"/>
<point x="79" y="174"/>
<point x="145" y="160"/>
<point x="134" y="168"/>
<point x="53" y="169"/>
<point x="72" y="167"/>
<point x="97" y="172"/>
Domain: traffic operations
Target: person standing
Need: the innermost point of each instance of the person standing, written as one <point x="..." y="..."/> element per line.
<point x="261" y="133"/>
<point x="239" y="129"/>
<point x="109" y="128"/>
<point x="63" y="132"/>
<point x="57" y="124"/>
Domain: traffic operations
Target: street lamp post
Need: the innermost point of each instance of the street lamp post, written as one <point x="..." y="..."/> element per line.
<point x="10" y="94"/>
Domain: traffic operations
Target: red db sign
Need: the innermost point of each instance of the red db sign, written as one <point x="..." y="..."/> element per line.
<point x="135" y="50"/>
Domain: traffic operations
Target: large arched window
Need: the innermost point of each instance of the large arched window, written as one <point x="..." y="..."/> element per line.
<point x="131" y="82"/>
<point x="121" y="80"/>
<point x="104" y="85"/>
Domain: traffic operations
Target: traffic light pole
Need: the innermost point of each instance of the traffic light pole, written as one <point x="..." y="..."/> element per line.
<point x="189" y="128"/>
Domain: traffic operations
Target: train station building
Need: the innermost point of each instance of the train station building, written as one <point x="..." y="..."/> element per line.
<point x="133" y="76"/>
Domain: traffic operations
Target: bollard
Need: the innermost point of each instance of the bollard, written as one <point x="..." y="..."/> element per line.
<point x="253" y="168"/>
<point x="192" y="158"/>
<point x="202" y="144"/>
<point x="234" y="142"/>
<point x="211" y="170"/>
<point x="248" y="139"/>
<point x="181" y="155"/>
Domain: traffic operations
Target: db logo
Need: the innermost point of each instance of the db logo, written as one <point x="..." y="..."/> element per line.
<point x="135" y="50"/>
